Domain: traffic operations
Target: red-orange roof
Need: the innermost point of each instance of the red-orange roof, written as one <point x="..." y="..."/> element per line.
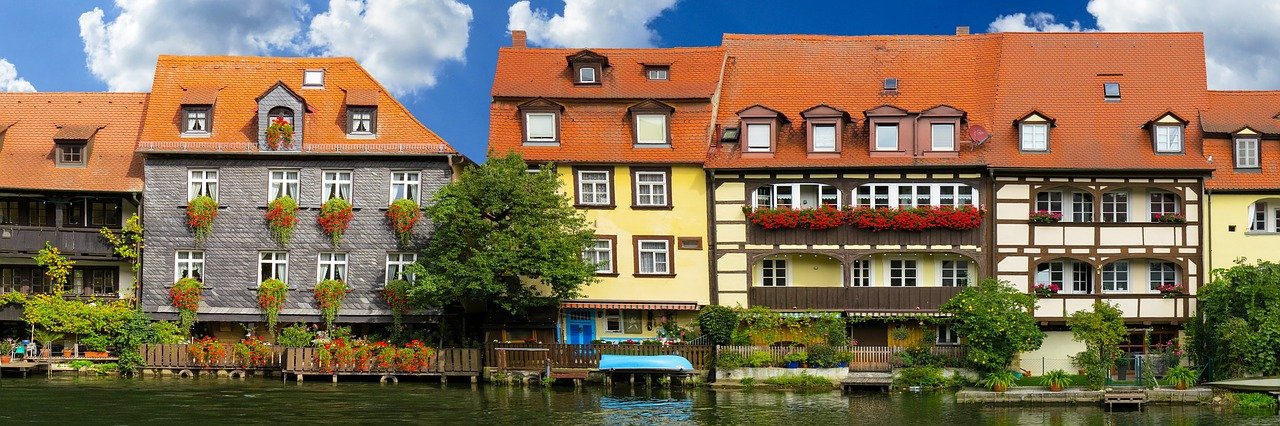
<point x="240" y="80"/>
<point x="535" y="72"/>
<point x="111" y="120"/>
<point x="1229" y="112"/>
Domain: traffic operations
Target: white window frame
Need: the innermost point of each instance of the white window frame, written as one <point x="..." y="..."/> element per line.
<point x="530" y="117"/>
<point x="947" y="336"/>
<point x="312" y="79"/>
<point x="658" y="257"/>
<point x="775" y="265"/>
<point x="1116" y="277"/>
<point x="1115" y="215"/>
<point x="1168" y="138"/>
<point x="200" y="114"/>
<point x="615" y="314"/>
<point x="582" y="75"/>
<point x="188" y="260"/>
<point x="755" y="144"/>
<point x="284" y="182"/>
<point x="360" y="117"/>
<point x="1157" y="274"/>
<point x="661" y="120"/>
<point x="274" y="258"/>
<point x="907" y="273"/>
<point x="336" y="263"/>
<point x="868" y="195"/>
<point x="600" y="189"/>
<point x="943" y="136"/>
<point x="881" y="145"/>
<point x="822" y="144"/>
<point x="861" y="273"/>
<point x="827" y="195"/>
<point x="658" y="73"/>
<point x="409" y="183"/>
<point x="1035" y="136"/>
<point x="336" y="179"/>
<point x="951" y="274"/>
<point x="396" y="263"/>
<point x="1247" y="153"/>
<point x="1264" y="217"/>
<point x="657" y="191"/>
<point x="602" y="257"/>
<point x="202" y="182"/>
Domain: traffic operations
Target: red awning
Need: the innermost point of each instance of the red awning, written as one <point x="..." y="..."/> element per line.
<point x="657" y="306"/>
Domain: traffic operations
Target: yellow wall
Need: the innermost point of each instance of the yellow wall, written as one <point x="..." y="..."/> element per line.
<point x="807" y="270"/>
<point x="648" y="329"/>
<point x="1224" y="246"/>
<point x="688" y="218"/>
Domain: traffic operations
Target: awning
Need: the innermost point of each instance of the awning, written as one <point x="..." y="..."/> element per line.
<point x="655" y="306"/>
<point x="896" y="314"/>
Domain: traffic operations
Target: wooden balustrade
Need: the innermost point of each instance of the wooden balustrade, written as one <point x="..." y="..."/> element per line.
<point x="179" y="356"/>
<point x="878" y="299"/>
<point x="534" y="356"/>
<point x="447" y="361"/>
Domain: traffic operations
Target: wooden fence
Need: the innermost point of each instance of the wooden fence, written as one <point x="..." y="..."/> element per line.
<point x="533" y="356"/>
<point x="865" y="358"/>
<point x="177" y="356"/>
<point x="446" y="362"/>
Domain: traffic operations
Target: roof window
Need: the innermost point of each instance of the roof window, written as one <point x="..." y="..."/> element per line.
<point x="313" y="79"/>
<point x="1111" y="91"/>
<point x="890" y="84"/>
<point x="656" y="72"/>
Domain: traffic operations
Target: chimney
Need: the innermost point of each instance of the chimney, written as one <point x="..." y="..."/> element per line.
<point x="518" y="39"/>
<point x="962" y="30"/>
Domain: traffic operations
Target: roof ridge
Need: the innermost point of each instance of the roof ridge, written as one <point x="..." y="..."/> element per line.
<point x="260" y="58"/>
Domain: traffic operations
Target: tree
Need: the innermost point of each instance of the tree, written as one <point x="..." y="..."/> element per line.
<point x="1237" y="325"/>
<point x="1101" y="330"/>
<point x="996" y="320"/>
<point x="503" y="236"/>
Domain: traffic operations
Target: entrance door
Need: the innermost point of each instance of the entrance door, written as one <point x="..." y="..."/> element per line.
<point x="580" y="325"/>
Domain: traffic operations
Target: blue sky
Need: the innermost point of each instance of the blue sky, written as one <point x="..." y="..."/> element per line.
<point x="438" y="55"/>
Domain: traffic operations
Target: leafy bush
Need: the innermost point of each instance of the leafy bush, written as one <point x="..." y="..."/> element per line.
<point x="999" y="380"/>
<point x="800" y="356"/>
<point x="1101" y="329"/>
<point x="1056" y="378"/>
<point x="166" y="332"/>
<point x="997" y="321"/>
<point x="823" y="356"/>
<point x="1180" y="377"/>
<point x="295" y="336"/>
<point x="717" y="323"/>
<point x="730" y="360"/>
<point x="1255" y="401"/>
<point x="760" y="359"/>
<point x="95" y="342"/>
<point x="919" y="356"/>
<point x="1236" y="327"/>
<point x="79" y="363"/>
<point x="927" y="377"/>
<point x="800" y="381"/>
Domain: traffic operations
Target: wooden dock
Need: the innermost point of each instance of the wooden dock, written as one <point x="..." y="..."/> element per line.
<point x="23" y="366"/>
<point x="1134" y="397"/>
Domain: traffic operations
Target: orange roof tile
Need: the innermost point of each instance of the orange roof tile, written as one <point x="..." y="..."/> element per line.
<point x="530" y="73"/>
<point x="1229" y="112"/>
<point x="242" y="79"/>
<point x="27" y="147"/>
<point x="76" y="131"/>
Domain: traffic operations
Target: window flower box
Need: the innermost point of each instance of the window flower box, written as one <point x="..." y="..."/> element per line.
<point x="1047" y="290"/>
<point x="1170" y="291"/>
<point x="1045" y="216"/>
<point x="1169" y="218"/>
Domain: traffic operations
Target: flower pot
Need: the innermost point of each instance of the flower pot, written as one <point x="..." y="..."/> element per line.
<point x="793" y="364"/>
<point x="1180" y="386"/>
<point x="5" y="359"/>
<point x="66" y="353"/>
<point x="1055" y="387"/>
<point x="843" y="364"/>
<point x="999" y="388"/>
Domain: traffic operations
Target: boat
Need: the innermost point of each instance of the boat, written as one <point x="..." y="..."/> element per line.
<point x="1254" y="384"/>
<point x="645" y="364"/>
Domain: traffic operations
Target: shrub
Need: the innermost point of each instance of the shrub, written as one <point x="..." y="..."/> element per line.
<point x="999" y="381"/>
<point x="95" y="342"/>
<point x="282" y="216"/>
<point x="1180" y="377"/>
<point x="295" y="336"/>
<point x="730" y="360"/>
<point x="800" y="381"/>
<point x="997" y="321"/>
<point x="800" y="356"/>
<point x="718" y="323"/>
<point x="760" y="359"/>
<point x="1255" y="401"/>
<point x="925" y="377"/>
<point x="252" y="352"/>
<point x="823" y="356"/>
<point x="207" y="351"/>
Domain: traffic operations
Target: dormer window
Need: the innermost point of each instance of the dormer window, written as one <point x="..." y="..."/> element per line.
<point x="1033" y="132"/>
<point x="760" y="128"/>
<point x="883" y="132"/>
<point x="825" y="125"/>
<point x="943" y="137"/>
<point x="1168" y="138"/>
<point x="362" y="120"/>
<point x="657" y="72"/>
<point x="824" y="138"/>
<point x="587" y="66"/>
<point x="886" y="137"/>
<point x="196" y="120"/>
<point x="760" y="137"/>
<point x="71" y="143"/>
<point x="281" y="113"/>
<point x="313" y="79"/>
<point x="652" y="123"/>
<point x="1111" y="91"/>
<point x="586" y="75"/>
<point x="541" y="119"/>
<point x="71" y="154"/>
<point x="1246" y="150"/>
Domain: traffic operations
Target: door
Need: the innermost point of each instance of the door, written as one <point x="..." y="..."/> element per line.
<point x="580" y="327"/>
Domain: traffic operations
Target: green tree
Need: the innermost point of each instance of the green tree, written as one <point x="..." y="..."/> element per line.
<point x="506" y="237"/>
<point x="996" y="320"/>
<point x="1237" y="325"/>
<point x="1101" y="330"/>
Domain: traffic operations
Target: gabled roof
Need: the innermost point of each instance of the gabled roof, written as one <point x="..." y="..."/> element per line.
<point x="240" y="80"/>
<point x="1230" y="112"/>
<point x="111" y="121"/>
<point x="537" y="72"/>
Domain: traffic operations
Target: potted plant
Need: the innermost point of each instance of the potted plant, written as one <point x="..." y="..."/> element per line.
<point x="334" y="218"/>
<point x="95" y="346"/>
<point x="1180" y="377"/>
<point x="794" y="359"/>
<point x="844" y="358"/>
<point x="1056" y="380"/>
<point x="201" y="211"/>
<point x="999" y="381"/>
<point x="1170" y="291"/>
<point x="282" y="216"/>
<point x="1047" y="290"/>
<point x="403" y="214"/>
<point x="6" y="350"/>
<point x="1044" y="216"/>
<point x="1169" y="218"/>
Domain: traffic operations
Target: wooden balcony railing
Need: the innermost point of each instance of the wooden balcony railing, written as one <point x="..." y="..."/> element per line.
<point x="533" y="356"/>
<point x="868" y="299"/>
<point x="851" y="235"/>
<point x="75" y="241"/>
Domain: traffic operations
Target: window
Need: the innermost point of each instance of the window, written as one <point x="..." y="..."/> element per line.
<point x="657" y="73"/>
<point x="759" y="137"/>
<point x="39" y="213"/>
<point x="9" y="212"/>
<point x="955" y="273"/>
<point x="1168" y="138"/>
<point x="586" y="75"/>
<point x="335" y="184"/>
<point x="282" y="183"/>
<point x="1050" y="273"/>
<point x="944" y="137"/>
<point x="202" y="183"/>
<point x="1049" y="201"/>
<point x="333" y="266"/>
<point x="273" y="265"/>
<point x="797" y="196"/>
<point x="1115" y="276"/>
<point x="824" y="137"/>
<point x="95" y="281"/>
<point x="396" y="264"/>
<point x="773" y="273"/>
<point x="595" y="187"/>
<point x="188" y="264"/>
<point x="655" y="257"/>
<point x="362" y="121"/>
<point x="196" y="120"/>
<point x="861" y="273"/>
<point x="902" y="273"/>
<point x="406" y="185"/>
<point x="1081" y="207"/>
<point x="1163" y="203"/>
<point x="69" y="154"/>
<point x="104" y="212"/>
<point x="886" y="137"/>
<point x="947" y="335"/>
<point x="313" y="78"/>
<point x="913" y="195"/>
<point x="75" y="213"/>
<point x="1163" y="273"/>
<point x="1035" y="136"/>
<point x="1111" y="91"/>
<point x="1264" y="217"/>
<point x="540" y="127"/>
<point x="890" y="84"/>
<point x="1081" y="278"/>
<point x="1247" y="153"/>
<point x="614" y="320"/>
<point x="651" y="189"/>
<point x="600" y="253"/>
<point x="1115" y="207"/>
<point x="651" y="129"/>
<point x="283" y="113"/>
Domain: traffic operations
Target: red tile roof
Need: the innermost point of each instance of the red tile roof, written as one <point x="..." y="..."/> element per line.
<point x="531" y="73"/>
<point x="35" y="119"/>
<point x="1229" y="112"/>
<point x="240" y="80"/>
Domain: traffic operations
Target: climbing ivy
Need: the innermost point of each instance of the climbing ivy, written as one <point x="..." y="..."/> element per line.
<point x="56" y="266"/>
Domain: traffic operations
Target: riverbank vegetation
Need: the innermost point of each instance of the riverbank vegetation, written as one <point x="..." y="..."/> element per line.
<point x="1237" y="326"/>
<point x="1101" y="329"/>
<point x="997" y="322"/>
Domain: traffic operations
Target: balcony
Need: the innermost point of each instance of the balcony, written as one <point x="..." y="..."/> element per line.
<point x="71" y="241"/>
<point x="1144" y="307"/>
<point x="1137" y="234"/>
<point x="853" y="235"/>
<point x="858" y="299"/>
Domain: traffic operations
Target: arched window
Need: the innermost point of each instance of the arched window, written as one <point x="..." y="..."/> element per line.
<point x="1264" y="216"/>
<point x="285" y="113"/>
<point x="796" y="196"/>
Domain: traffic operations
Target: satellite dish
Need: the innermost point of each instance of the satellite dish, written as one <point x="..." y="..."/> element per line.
<point x="978" y="134"/>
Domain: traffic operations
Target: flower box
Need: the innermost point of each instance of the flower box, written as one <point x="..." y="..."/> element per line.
<point x="1169" y="218"/>
<point x="1047" y="290"/>
<point x="1044" y="216"/>
<point x="1170" y="291"/>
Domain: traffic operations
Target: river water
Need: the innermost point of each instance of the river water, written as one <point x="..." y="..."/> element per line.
<point x="254" y="401"/>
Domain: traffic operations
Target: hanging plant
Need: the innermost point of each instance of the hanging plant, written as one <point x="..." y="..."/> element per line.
<point x="404" y="214"/>
<point x="56" y="266"/>
<point x="329" y="295"/>
<point x="200" y="214"/>
<point x="185" y="295"/>
<point x="279" y="134"/>
<point x="335" y="216"/>
<point x="396" y="295"/>
<point x="282" y="215"/>
<point x="271" y="296"/>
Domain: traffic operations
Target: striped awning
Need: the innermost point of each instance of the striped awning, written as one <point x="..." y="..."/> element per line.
<point x="655" y="306"/>
<point x="891" y="314"/>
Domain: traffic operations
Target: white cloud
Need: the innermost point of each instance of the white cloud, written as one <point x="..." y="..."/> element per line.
<point x="1240" y="35"/>
<point x="9" y="80"/>
<point x="1039" y="21"/>
<point x="590" y="23"/>
<point x="400" y="42"/>
<point x="123" y="52"/>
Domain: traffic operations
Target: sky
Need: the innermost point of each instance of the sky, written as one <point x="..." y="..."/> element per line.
<point x="438" y="56"/>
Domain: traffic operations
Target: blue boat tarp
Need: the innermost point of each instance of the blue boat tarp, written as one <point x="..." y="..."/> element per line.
<point x="645" y="363"/>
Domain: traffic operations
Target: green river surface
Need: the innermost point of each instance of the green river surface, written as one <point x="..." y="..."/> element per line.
<point x="82" y="400"/>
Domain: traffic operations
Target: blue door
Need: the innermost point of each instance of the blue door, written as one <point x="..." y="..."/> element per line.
<point x="580" y="325"/>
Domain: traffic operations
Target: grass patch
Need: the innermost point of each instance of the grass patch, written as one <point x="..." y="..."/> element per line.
<point x="1034" y="381"/>
<point x="801" y="381"/>
<point x="1255" y="402"/>
<point x="748" y="381"/>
